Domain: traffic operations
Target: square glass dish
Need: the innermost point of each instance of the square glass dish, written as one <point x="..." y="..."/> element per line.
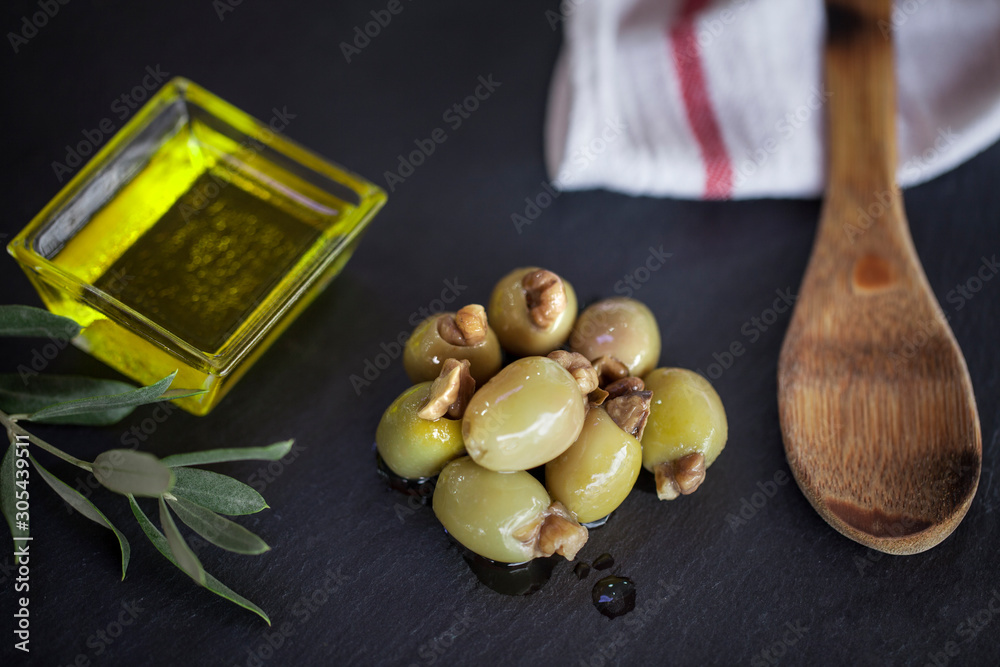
<point x="192" y="239"/>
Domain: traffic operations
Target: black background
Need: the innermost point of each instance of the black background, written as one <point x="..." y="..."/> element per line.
<point x="709" y="590"/>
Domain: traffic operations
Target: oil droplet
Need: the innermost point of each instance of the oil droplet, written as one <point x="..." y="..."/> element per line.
<point x="614" y="596"/>
<point x="510" y="578"/>
<point x="421" y="488"/>
<point x="596" y="523"/>
<point x="603" y="562"/>
<point x="581" y="570"/>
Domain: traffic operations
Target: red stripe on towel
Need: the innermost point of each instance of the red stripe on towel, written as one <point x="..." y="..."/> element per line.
<point x="701" y="116"/>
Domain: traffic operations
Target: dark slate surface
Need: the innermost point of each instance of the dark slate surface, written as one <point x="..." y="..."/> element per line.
<point x="780" y="588"/>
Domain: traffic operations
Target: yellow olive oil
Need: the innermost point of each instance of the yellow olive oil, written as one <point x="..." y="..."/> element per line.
<point x="196" y="244"/>
<point x="203" y="267"/>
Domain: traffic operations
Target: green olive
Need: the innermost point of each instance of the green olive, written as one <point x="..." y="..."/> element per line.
<point x="598" y="471"/>
<point x="528" y="414"/>
<point x="413" y="447"/>
<point x="426" y="350"/>
<point x="504" y="516"/>
<point x="532" y="311"/>
<point x="687" y="423"/>
<point x="622" y="328"/>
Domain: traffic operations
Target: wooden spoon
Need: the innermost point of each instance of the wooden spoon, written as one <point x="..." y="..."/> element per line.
<point x="877" y="410"/>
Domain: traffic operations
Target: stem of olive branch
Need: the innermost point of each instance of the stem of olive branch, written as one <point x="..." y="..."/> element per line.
<point x="14" y="429"/>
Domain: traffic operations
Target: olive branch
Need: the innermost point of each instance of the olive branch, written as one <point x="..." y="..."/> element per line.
<point x="199" y="498"/>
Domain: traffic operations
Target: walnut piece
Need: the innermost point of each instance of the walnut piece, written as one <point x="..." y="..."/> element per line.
<point x="682" y="476"/>
<point x="609" y="369"/>
<point x="450" y="392"/>
<point x="597" y="397"/>
<point x="560" y="533"/>
<point x="578" y="367"/>
<point x="626" y="385"/>
<point x="546" y="297"/>
<point x="465" y="328"/>
<point x="630" y="410"/>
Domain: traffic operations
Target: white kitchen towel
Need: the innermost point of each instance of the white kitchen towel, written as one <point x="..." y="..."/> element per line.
<point x="725" y="99"/>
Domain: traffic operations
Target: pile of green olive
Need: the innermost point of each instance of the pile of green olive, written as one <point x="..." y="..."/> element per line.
<point x="581" y="405"/>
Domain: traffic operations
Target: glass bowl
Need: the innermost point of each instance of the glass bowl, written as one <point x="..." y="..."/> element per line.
<point x="192" y="239"/>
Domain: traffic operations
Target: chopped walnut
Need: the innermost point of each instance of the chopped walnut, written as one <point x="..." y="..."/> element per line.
<point x="682" y="476"/>
<point x="609" y="369"/>
<point x="597" y="397"/>
<point x="450" y="392"/>
<point x="465" y="328"/>
<point x="626" y="385"/>
<point x="630" y="411"/>
<point x="555" y="531"/>
<point x="546" y="297"/>
<point x="560" y="533"/>
<point x="578" y="367"/>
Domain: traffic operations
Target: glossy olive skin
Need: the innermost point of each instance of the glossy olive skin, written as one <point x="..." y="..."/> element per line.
<point x="483" y="509"/>
<point x="598" y="471"/>
<point x="622" y="328"/>
<point x="685" y="416"/>
<point x="413" y="447"/>
<point x="528" y="414"/>
<point x="425" y="351"/>
<point x="508" y="315"/>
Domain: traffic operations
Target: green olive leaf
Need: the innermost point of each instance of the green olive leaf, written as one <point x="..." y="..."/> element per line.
<point x="27" y="321"/>
<point x="24" y="396"/>
<point x="154" y="393"/>
<point x="216" y="529"/>
<point x="8" y="494"/>
<point x="216" y="492"/>
<point x="77" y="501"/>
<point x="211" y="583"/>
<point x="269" y="453"/>
<point x="128" y="472"/>
<point x="183" y="556"/>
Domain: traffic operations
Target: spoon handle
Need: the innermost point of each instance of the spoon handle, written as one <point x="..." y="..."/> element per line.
<point x="866" y="206"/>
